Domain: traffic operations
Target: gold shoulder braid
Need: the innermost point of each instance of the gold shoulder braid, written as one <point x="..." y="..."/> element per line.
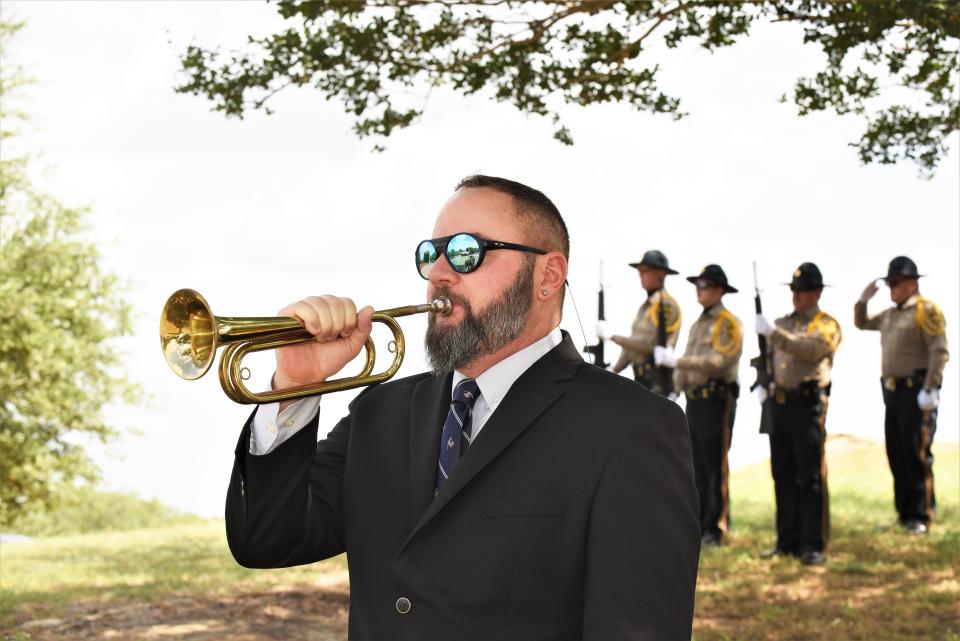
<point x="725" y="335"/>
<point x="828" y="328"/>
<point x="654" y="309"/>
<point x="929" y="318"/>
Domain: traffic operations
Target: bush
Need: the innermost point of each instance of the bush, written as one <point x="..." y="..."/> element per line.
<point x="85" y="509"/>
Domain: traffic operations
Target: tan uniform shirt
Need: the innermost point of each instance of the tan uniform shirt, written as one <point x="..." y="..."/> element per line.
<point x="803" y="348"/>
<point x="912" y="337"/>
<point x="638" y="347"/>
<point x="713" y="349"/>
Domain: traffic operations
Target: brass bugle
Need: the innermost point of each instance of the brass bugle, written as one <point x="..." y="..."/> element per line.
<point x="190" y="335"/>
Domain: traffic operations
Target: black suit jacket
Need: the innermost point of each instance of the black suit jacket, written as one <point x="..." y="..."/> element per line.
<point x="573" y="515"/>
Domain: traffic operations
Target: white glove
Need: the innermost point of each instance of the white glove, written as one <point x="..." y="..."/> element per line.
<point x="672" y="396"/>
<point x="869" y="291"/>
<point x="763" y="327"/>
<point x="928" y="400"/>
<point x="761" y="393"/>
<point x="602" y="331"/>
<point x="664" y="356"/>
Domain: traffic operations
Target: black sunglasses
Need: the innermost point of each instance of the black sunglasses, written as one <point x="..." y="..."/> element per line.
<point x="464" y="252"/>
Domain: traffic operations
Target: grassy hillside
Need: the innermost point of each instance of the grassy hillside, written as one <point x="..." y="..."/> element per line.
<point x="180" y="582"/>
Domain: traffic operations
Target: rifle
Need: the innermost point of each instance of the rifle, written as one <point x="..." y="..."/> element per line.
<point x="597" y="350"/>
<point x="761" y="363"/>
<point x="663" y="376"/>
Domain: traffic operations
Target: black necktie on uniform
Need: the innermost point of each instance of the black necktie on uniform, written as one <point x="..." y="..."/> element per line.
<point x="456" y="430"/>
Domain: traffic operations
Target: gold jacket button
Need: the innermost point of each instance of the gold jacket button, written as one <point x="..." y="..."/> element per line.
<point x="403" y="605"/>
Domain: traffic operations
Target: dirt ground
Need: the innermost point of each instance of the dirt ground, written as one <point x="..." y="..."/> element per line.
<point x="314" y="613"/>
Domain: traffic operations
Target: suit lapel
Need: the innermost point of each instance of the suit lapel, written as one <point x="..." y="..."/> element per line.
<point x="530" y="396"/>
<point x="428" y="410"/>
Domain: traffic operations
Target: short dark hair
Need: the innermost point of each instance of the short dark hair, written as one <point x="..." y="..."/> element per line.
<point x="546" y="227"/>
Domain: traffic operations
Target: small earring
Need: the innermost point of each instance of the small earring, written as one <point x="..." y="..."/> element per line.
<point x="544" y="292"/>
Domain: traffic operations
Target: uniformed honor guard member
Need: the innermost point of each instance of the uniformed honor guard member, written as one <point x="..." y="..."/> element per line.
<point x="913" y="344"/>
<point x="707" y="374"/>
<point x="802" y="346"/>
<point x="638" y="347"/>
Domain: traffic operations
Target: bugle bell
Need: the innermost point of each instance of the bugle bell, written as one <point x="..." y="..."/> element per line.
<point x="190" y="335"/>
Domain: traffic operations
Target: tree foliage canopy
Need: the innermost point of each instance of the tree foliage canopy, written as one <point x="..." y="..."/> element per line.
<point x="58" y="313"/>
<point x="374" y="55"/>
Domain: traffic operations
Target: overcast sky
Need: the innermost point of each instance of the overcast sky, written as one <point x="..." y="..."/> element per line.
<point x="260" y="212"/>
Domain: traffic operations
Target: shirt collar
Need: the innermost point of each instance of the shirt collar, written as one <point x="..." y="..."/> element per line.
<point x="496" y="381"/>
<point x="910" y="302"/>
<point x="808" y="314"/>
<point x="713" y="310"/>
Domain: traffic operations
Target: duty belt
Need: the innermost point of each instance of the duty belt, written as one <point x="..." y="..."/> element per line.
<point x="644" y="369"/>
<point x="893" y="383"/>
<point x="806" y="392"/>
<point x="714" y="388"/>
<point x="645" y="373"/>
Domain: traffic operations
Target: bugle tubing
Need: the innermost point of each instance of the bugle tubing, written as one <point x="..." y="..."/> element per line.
<point x="190" y="335"/>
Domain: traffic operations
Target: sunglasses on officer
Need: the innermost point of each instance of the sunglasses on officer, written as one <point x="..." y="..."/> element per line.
<point x="464" y="252"/>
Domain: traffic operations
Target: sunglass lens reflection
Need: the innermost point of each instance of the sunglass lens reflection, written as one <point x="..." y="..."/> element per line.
<point x="463" y="252"/>
<point x="426" y="257"/>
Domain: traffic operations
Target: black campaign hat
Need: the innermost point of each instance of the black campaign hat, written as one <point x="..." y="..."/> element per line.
<point x="806" y="278"/>
<point x="714" y="273"/>
<point x="655" y="259"/>
<point x="901" y="267"/>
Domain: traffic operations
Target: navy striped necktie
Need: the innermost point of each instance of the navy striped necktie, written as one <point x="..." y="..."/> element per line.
<point x="456" y="429"/>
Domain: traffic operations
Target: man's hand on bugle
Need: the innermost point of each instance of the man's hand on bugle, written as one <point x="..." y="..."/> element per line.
<point x="340" y="332"/>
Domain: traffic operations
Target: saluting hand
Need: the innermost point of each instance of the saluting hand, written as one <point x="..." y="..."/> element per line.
<point x="339" y="332"/>
<point x="869" y="291"/>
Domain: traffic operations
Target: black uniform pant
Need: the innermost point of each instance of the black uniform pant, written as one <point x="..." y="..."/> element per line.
<point x="909" y="435"/>
<point x="711" y="426"/>
<point x="800" y="474"/>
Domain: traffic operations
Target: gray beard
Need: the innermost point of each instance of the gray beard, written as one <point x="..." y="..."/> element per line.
<point x="477" y="335"/>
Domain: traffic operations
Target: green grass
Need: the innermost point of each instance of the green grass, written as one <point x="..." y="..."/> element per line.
<point x="42" y="578"/>
<point x="879" y="583"/>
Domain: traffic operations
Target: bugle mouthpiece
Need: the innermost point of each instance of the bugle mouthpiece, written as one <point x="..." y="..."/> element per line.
<point x="442" y="306"/>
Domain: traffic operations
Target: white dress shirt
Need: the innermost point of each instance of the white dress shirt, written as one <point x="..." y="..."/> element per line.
<point x="271" y="427"/>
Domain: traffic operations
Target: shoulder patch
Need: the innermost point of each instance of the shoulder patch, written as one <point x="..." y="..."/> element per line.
<point x="671" y="312"/>
<point x="826" y="328"/>
<point x="929" y="318"/>
<point x="725" y="336"/>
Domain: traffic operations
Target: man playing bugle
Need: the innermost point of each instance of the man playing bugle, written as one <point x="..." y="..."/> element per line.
<point x="515" y="492"/>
